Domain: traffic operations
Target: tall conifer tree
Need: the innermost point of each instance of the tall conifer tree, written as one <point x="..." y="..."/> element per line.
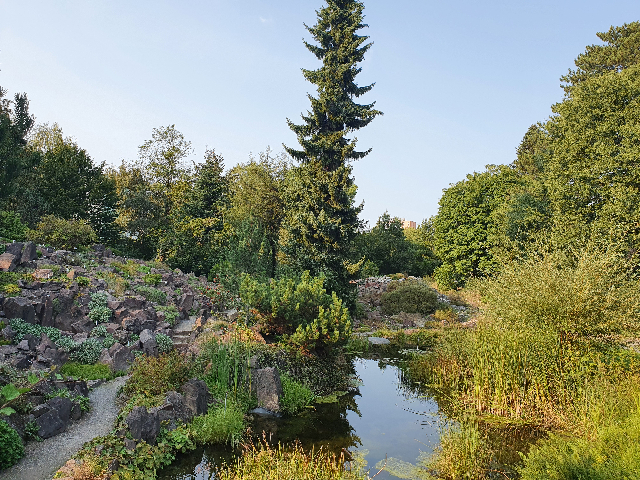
<point x="322" y="219"/>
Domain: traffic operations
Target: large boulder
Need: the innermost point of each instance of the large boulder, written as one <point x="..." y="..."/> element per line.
<point x="20" y="307"/>
<point x="53" y="417"/>
<point x="173" y="410"/>
<point x="28" y="253"/>
<point x="268" y="387"/>
<point x="143" y="425"/>
<point x="8" y="262"/>
<point x="15" y="248"/>
<point x="148" y="342"/>
<point x="44" y="312"/>
<point x="196" y="396"/>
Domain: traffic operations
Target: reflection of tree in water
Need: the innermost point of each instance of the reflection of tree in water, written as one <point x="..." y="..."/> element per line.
<point x="326" y="426"/>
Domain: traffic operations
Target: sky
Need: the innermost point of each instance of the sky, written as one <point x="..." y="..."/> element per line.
<point x="459" y="82"/>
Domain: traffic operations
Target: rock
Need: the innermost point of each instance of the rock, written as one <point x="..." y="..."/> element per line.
<point x="148" y="341"/>
<point x="129" y="444"/>
<point x="378" y="341"/>
<point x="133" y="303"/>
<point x="76" y="411"/>
<point x="15" y="248"/>
<point x="40" y="410"/>
<point x="186" y="302"/>
<point x="114" y="304"/>
<point x="132" y="324"/>
<point x="21" y="361"/>
<point x="111" y="327"/>
<point x="24" y="345"/>
<point x="62" y="406"/>
<point x="268" y="387"/>
<point x="49" y="424"/>
<point x="20" y="307"/>
<point x="43" y="274"/>
<point x="105" y="358"/>
<point x="173" y="410"/>
<point x="143" y="425"/>
<point x="45" y="343"/>
<point x="55" y="356"/>
<point x="44" y="312"/>
<point x="8" y="350"/>
<point x="196" y="396"/>
<point x="29" y="253"/>
<point x="8" y="332"/>
<point x="120" y="356"/>
<point x="83" y="326"/>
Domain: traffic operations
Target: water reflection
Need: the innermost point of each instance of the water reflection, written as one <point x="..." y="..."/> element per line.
<point x="384" y="419"/>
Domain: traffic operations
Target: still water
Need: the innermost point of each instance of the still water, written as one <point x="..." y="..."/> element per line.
<point x="386" y="418"/>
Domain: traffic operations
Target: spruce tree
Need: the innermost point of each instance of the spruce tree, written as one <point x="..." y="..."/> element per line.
<point x="322" y="220"/>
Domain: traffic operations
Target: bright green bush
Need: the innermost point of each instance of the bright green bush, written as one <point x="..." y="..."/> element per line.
<point x="299" y="307"/>
<point x="64" y="234"/>
<point x="98" y="310"/>
<point x="88" y="352"/>
<point x="409" y="297"/>
<point x="11" y="448"/>
<point x="152" y="279"/>
<point x="221" y="425"/>
<point x="11" y="227"/>
<point x="171" y="313"/>
<point x="99" y="331"/>
<point x="295" y="396"/>
<point x="152" y="294"/>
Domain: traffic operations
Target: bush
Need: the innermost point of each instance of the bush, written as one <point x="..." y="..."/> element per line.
<point x="409" y="297"/>
<point x="152" y="279"/>
<point x="11" y="227"/>
<point x="171" y="313"/>
<point x="295" y="396"/>
<point x="11" y="448"/>
<point x="88" y="352"/>
<point x="98" y="310"/>
<point x="165" y="344"/>
<point x="158" y="375"/>
<point x="222" y="425"/>
<point x="63" y="234"/>
<point x="152" y="294"/>
<point x="301" y="306"/>
<point x="99" y="331"/>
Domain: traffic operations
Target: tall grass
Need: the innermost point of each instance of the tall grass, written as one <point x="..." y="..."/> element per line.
<point x="267" y="463"/>
<point x="220" y="425"/>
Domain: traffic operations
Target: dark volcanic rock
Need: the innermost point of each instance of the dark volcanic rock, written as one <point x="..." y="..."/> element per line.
<point x="20" y="307"/>
<point x="196" y="396"/>
<point x="266" y="382"/>
<point x="143" y="425"/>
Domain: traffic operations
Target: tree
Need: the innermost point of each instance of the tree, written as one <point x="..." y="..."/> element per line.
<point x="322" y="219"/>
<point x="621" y="50"/>
<point x="257" y="209"/>
<point x="465" y="227"/>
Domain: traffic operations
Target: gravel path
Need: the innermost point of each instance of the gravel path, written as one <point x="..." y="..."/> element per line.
<point x="43" y="459"/>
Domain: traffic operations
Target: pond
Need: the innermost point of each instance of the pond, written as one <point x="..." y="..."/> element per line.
<point x="384" y="419"/>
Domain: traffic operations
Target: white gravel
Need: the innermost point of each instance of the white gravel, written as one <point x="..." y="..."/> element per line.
<point x="43" y="459"/>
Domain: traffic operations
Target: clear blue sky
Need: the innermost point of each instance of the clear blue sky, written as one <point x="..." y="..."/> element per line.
<point x="459" y="81"/>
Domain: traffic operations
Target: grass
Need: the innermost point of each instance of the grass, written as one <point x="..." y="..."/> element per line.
<point x="295" y="396"/>
<point x="86" y="372"/>
<point x="224" y="425"/>
<point x="267" y="463"/>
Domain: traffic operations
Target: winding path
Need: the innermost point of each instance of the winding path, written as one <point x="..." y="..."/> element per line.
<point x="43" y="459"/>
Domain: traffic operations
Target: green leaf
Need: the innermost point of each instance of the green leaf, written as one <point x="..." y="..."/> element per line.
<point x="33" y="378"/>
<point x="10" y="392"/>
<point x="7" y="411"/>
<point x="58" y="376"/>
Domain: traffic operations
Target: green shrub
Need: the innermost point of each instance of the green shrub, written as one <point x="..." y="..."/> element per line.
<point x="99" y="331"/>
<point x="11" y="448"/>
<point x="152" y="294"/>
<point x="409" y="297"/>
<point x="301" y="307"/>
<point x="295" y="396"/>
<point x="63" y="234"/>
<point x="158" y="375"/>
<point x="221" y="425"/>
<point x="86" y="372"/>
<point x="109" y="341"/>
<point x="88" y="352"/>
<point x="152" y="279"/>
<point x="11" y="290"/>
<point x="224" y="367"/>
<point x="171" y="313"/>
<point x="98" y="310"/>
<point x="11" y="227"/>
<point x="165" y="344"/>
<point x="83" y="281"/>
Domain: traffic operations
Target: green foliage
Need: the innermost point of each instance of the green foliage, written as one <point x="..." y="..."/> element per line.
<point x="614" y="453"/>
<point x="86" y="372"/>
<point x="465" y="225"/>
<point x="171" y="313"/>
<point x="223" y="425"/>
<point x="158" y="375"/>
<point x="302" y="306"/>
<point x="63" y="234"/>
<point x="152" y="279"/>
<point x="98" y="310"/>
<point x="294" y="463"/>
<point x="224" y="368"/>
<point x="152" y="294"/>
<point x="109" y="341"/>
<point x="409" y="297"/>
<point x="83" y="281"/>
<point x="11" y="448"/>
<point x="165" y="344"/>
<point x="87" y="352"/>
<point x="295" y="396"/>
<point x="99" y="331"/>
<point x="11" y="290"/>
<point x="11" y="227"/>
